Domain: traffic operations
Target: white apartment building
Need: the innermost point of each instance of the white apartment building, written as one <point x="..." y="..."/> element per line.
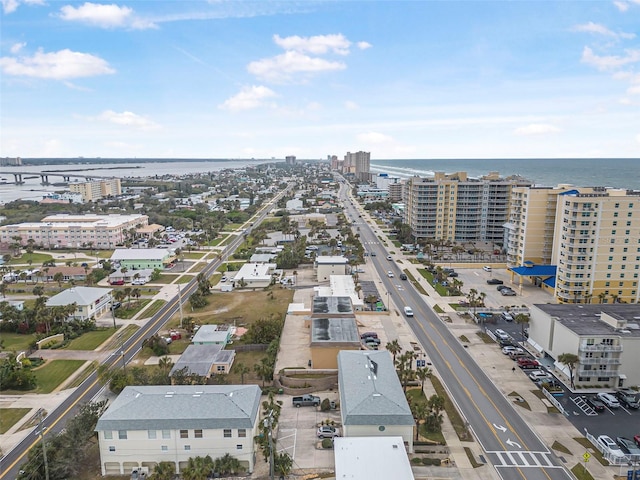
<point x="458" y="208"/>
<point x="75" y="231"/>
<point x="147" y="425"/>
<point x="96" y="190"/>
<point x="358" y="163"/>
<point x="606" y="339"/>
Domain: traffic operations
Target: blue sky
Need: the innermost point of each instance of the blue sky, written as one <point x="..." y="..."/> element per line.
<point x="240" y="79"/>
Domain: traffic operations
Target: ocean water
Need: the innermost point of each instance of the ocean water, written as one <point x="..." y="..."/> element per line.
<point x="581" y="172"/>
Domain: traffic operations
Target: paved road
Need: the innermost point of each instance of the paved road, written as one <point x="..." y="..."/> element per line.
<point x="509" y="444"/>
<point x="89" y="389"/>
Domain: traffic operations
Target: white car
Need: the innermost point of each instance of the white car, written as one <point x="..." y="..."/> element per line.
<point x="508" y="350"/>
<point x="609" y="446"/>
<point x="389" y="257"/>
<point x="608" y="399"/>
<point x="486" y="268"/>
<point x="408" y="311"/>
<point x="390" y="274"/>
<point x="538" y="375"/>
<point x="501" y="334"/>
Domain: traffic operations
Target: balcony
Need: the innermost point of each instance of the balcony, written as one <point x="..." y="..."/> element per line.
<point x="597" y="373"/>
<point x="599" y="361"/>
<point x="600" y="347"/>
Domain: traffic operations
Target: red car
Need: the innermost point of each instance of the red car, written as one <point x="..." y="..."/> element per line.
<point x="525" y="363"/>
<point x="637" y="440"/>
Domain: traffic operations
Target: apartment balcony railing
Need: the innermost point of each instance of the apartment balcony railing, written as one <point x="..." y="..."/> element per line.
<point x="600" y="347"/>
<point x="599" y="361"/>
<point x="597" y="373"/>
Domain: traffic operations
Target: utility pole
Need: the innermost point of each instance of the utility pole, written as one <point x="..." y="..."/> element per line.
<point x="44" y="448"/>
<point x="269" y="422"/>
<point x="180" y="303"/>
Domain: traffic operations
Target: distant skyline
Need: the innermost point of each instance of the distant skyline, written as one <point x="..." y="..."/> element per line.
<point x="262" y="79"/>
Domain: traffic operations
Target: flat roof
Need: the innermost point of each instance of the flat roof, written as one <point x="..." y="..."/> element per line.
<point x="211" y="333"/>
<point x="255" y="271"/>
<point x="120" y="254"/>
<point x="198" y="359"/>
<point x="331" y="306"/>
<point x="586" y="319"/>
<point x="363" y="458"/>
<point x="331" y="259"/>
<point x="334" y="330"/>
<point x="535" y="270"/>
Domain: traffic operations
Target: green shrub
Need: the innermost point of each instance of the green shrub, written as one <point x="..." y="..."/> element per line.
<point x="325" y="405"/>
<point x="327" y="443"/>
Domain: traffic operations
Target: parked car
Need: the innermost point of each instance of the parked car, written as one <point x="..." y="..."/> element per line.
<point x="369" y="334"/>
<point x="501" y="334"/>
<point x="528" y="363"/>
<point x="327" y="431"/>
<point x="452" y="274"/>
<point x="628" y="446"/>
<point x="507" y="317"/>
<point x="507" y="292"/>
<point x="609" y="446"/>
<point x="486" y="268"/>
<point x="608" y="399"/>
<point x="636" y="439"/>
<point x="495" y="281"/>
<point x="502" y="287"/>
<point x="224" y="278"/>
<point x="115" y="305"/>
<point x="371" y="340"/>
<point x="628" y="398"/>
<point x="507" y="350"/>
<point x="538" y="375"/>
<point x="594" y="403"/>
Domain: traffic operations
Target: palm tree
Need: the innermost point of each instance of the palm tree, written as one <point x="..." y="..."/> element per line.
<point x="602" y="296"/>
<point x="135" y="293"/>
<point x="420" y="412"/>
<point x="58" y="277"/>
<point x="165" y="363"/>
<point x="242" y="369"/>
<point x="522" y="319"/>
<point x="422" y="374"/>
<point x="570" y="360"/>
<point x="198" y="468"/>
<point x="394" y="348"/>
<point x="127" y="293"/>
<point x="164" y="471"/>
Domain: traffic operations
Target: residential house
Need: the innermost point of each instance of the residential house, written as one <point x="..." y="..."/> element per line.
<point x="91" y="302"/>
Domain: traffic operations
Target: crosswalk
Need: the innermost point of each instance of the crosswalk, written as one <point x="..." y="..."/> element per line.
<point x="521" y="459"/>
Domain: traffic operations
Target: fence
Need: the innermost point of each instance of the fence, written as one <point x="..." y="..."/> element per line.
<point x="554" y="401"/>
<point x="612" y="459"/>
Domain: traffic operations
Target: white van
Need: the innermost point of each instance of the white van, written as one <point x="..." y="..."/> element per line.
<point x="408" y="312"/>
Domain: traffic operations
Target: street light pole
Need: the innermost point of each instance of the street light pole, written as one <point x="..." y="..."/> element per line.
<point x="44" y="448"/>
<point x="180" y="304"/>
<point x="124" y="363"/>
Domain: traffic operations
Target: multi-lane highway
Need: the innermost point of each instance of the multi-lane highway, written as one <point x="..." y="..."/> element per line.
<point x="511" y="446"/>
<point x="56" y="419"/>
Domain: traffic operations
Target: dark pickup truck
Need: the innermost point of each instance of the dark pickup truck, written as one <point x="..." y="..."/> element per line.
<point x="306" y="401"/>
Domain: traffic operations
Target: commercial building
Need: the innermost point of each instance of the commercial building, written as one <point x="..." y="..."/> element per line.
<point x="592" y="235"/>
<point x="606" y="339"/>
<point x="458" y="208"/>
<point x="143" y="258"/>
<point x="363" y="458"/>
<point x="75" y="231"/>
<point x="372" y="402"/>
<point x="327" y="265"/>
<point x="254" y="275"/>
<point x="147" y="425"/>
<point x="97" y="190"/>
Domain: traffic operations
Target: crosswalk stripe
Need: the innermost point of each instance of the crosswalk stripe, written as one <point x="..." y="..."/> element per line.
<point x="521" y="459"/>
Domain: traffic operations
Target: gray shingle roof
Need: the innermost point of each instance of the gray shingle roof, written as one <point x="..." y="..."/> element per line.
<point x="200" y="358"/>
<point x="370" y="391"/>
<point x="188" y="407"/>
<point x="78" y="295"/>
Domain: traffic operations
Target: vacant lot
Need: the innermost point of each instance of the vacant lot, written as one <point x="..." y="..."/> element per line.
<point x="54" y="372"/>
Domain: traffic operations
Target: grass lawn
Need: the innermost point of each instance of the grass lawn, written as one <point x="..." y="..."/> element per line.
<point x="227" y="240"/>
<point x="10" y="416"/>
<point x="581" y="473"/>
<point x="16" y="341"/>
<point x="197" y="267"/>
<point x="454" y="417"/>
<point x="54" y="372"/>
<point x="249" y="359"/>
<point x="442" y="291"/>
<point x="129" y="309"/>
<point x="185" y="278"/>
<point x="37" y="259"/>
<point x="117" y="340"/>
<point x="592" y="450"/>
<point x="91" y="340"/>
<point x="166" y="278"/>
<point x="193" y="255"/>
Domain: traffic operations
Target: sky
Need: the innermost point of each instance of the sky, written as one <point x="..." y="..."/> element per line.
<point x="266" y="79"/>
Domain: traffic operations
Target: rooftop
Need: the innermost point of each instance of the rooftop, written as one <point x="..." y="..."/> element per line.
<point x="362" y="458"/>
<point x="589" y="319"/>
<point x="79" y="295"/>
<point x="332" y="306"/>
<point x="140" y="254"/>
<point x="334" y="330"/>
<point x="198" y="359"/>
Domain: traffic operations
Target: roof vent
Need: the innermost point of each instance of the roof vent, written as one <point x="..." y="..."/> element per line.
<point x="395" y="445"/>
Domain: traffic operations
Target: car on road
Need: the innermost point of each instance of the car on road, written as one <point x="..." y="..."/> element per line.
<point x="608" y="399"/>
<point x="594" y="403"/>
<point x="390" y="274"/>
<point x="389" y="257"/>
<point x="507" y="292"/>
<point x="628" y="446"/>
<point x="494" y="281"/>
<point x="536" y="375"/>
<point x="609" y="446"/>
<point x="403" y="276"/>
<point x="486" y="268"/>
<point x="408" y="311"/>
<point x="373" y="254"/>
<point x="327" y="431"/>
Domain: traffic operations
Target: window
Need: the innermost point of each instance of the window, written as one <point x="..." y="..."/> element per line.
<point x="122" y="434"/>
<point x="242" y="433"/>
<point x="164" y="448"/>
<point x="151" y="434"/>
<point x="184" y="433"/>
<point x="108" y="435"/>
<point x="187" y="447"/>
<point x="112" y="449"/>
<point x="197" y="433"/>
<point x="166" y="434"/>
<point x="238" y="447"/>
<point x="227" y="433"/>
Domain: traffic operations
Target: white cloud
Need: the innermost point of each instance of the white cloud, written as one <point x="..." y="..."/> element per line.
<point x="103" y="16"/>
<point x="591" y="27"/>
<point x="60" y="65"/>
<point x="317" y="45"/>
<point x="128" y="119"/>
<point x="250" y="98"/>
<point x="621" y="6"/>
<point x="638" y="138"/>
<point x="349" y="105"/>
<point x="536" y="129"/>
<point x="607" y="62"/>
<point x="10" y="6"/>
<point x="281" y="68"/>
<point x="16" y="47"/>
<point x="364" y="45"/>
<point x="634" y="90"/>
<point x="374" y="137"/>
